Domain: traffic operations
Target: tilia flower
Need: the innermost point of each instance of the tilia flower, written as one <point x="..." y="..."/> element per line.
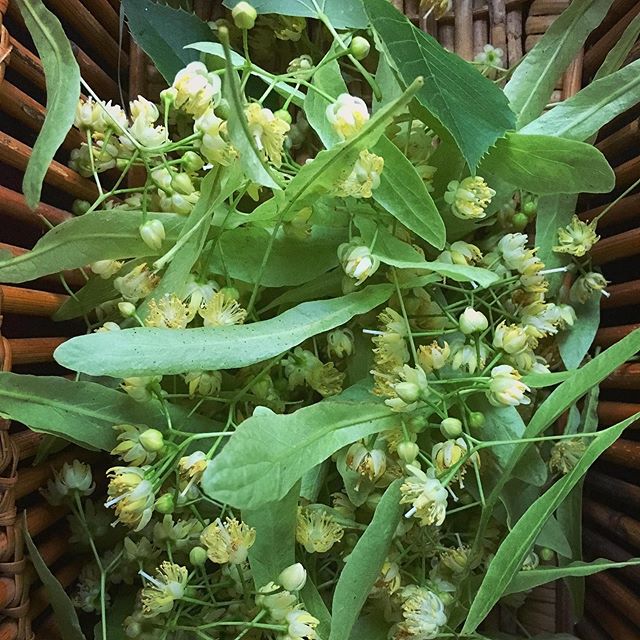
<point x="357" y="260"/>
<point x="426" y="495"/>
<point x="347" y="115"/>
<point x="423" y="613"/>
<point x="469" y="198"/>
<point x="268" y="131"/>
<point x="222" y="311"/>
<point x="195" y="88"/>
<point x="577" y="237"/>
<point x="132" y="495"/>
<point x="317" y="531"/>
<point x="167" y="313"/>
<point x="162" y="591"/>
<point x="363" y="179"/>
<point x="506" y="387"/>
<point x="228" y="542"/>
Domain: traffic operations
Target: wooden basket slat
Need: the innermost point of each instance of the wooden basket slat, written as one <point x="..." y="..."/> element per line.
<point x="22" y="301"/>
<point x="14" y="207"/>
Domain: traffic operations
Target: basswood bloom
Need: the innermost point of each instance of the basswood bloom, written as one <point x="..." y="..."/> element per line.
<point x="432" y="357"/>
<point x="357" y="260"/>
<point x="106" y="268"/>
<point x="427" y="496"/>
<point x="347" y="115"/>
<point x="148" y="135"/>
<point x="389" y="579"/>
<point x="437" y="7"/>
<point x="472" y="321"/>
<point x="167" y="313"/>
<point x="467" y="356"/>
<point x="71" y="480"/>
<point x="203" y="383"/>
<point x="363" y="178"/>
<point x="456" y="560"/>
<point x="369" y="463"/>
<point x="577" y="237"/>
<point x="105" y="155"/>
<point x="267" y="131"/>
<point x="565" y="454"/>
<point x="490" y="57"/>
<point x="465" y="253"/>
<point x="132" y="495"/>
<point x="506" y="388"/>
<point x="340" y="343"/>
<point x="541" y="319"/>
<point x="587" y="285"/>
<point x="196" y="89"/>
<point x="144" y="109"/>
<point x="87" y="115"/>
<point x="136" y="284"/>
<point x="411" y="387"/>
<point x="222" y="311"/>
<point x="423" y="612"/>
<point x="161" y="591"/>
<point x="469" y="198"/>
<point x="316" y="530"/>
<point x="191" y="467"/>
<point x="390" y="351"/>
<point x="293" y="577"/>
<point x="276" y="600"/>
<point x="301" y="625"/>
<point x="510" y="338"/>
<point x="228" y="542"/>
<point x="133" y="447"/>
<point x="152" y="233"/>
<point x="448" y="454"/>
<point x="512" y="248"/>
<point x="141" y="388"/>
<point x="214" y="145"/>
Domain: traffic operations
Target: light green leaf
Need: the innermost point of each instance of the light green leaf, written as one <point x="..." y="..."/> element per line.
<point x="548" y="165"/>
<point x="62" y="76"/>
<point x="461" y="102"/>
<point x="63" y="610"/>
<point x="553" y="537"/>
<point x="364" y="563"/>
<point x="163" y="32"/>
<point x="239" y="253"/>
<point x="134" y="352"/>
<point x="341" y="14"/>
<point x="282" y="448"/>
<point x="81" y="412"/>
<point x="525" y="580"/>
<point x="274" y="548"/>
<point x="85" y="300"/>
<point x="99" y="235"/>
<point x="534" y="79"/>
<point x="582" y="116"/>
<point x="542" y="380"/>
<point x="574" y="343"/>
<point x="315" y="605"/>
<point x="618" y="54"/>
<point x="327" y="285"/>
<point x="511" y="553"/>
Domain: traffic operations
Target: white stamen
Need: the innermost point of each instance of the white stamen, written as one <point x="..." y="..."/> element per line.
<point x="605" y="293"/>
<point x="110" y="503"/>
<point x="544" y="272"/>
<point x="372" y="332"/>
<point x="151" y="579"/>
<point x="410" y="512"/>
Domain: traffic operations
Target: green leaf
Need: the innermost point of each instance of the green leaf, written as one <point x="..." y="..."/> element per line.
<point x="542" y="380"/>
<point x="505" y="423"/>
<point x="548" y="165"/>
<point x="85" y="300"/>
<point x="341" y="14"/>
<point x="134" y="352"/>
<point x="81" y="412"/>
<point x="404" y="195"/>
<point x="460" y="101"/>
<point x="370" y="627"/>
<point x="582" y="116"/>
<point x="163" y="32"/>
<point x="534" y="79"/>
<point x="620" y="51"/>
<point x="63" y="610"/>
<point x="525" y="580"/>
<point x="277" y="450"/>
<point x="100" y="235"/>
<point x="511" y="553"/>
<point x="574" y="343"/>
<point x="274" y="548"/>
<point x="315" y="605"/>
<point x="239" y="253"/>
<point x="62" y="76"/>
<point x="364" y="563"/>
<point x="553" y="537"/>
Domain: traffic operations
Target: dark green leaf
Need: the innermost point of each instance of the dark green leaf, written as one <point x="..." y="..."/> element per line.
<point x="82" y="412"/>
<point x="274" y="548"/>
<point x="618" y="54"/>
<point x="525" y="580"/>
<point x="63" y="609"/>
<point x="62" y="76"/>
<point x="364" y="563"/>
<point x="548" y="165"/>
<point x="100" y="235"/>
<point x="542" y="380"/>
<point x="85" y="300"/>
<point x="468" y="106"/>
<point x="582" y="116"/>
<point x="370" y="627"/>
<point x="511" y="553"/>
<point x="575" y="342"/>
<point x="134" y="352"/>
<point x="163" y="32"/>
<point x="315" y="605"/>
<point x="534" y="79"/>
<point x="283" y="448"/>
<point x="341" y="14"/>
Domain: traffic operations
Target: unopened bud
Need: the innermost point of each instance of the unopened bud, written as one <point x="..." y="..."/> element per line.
<point x="451" y="427"/>
<point x="472" y="321"/>
<point x="244" y="15"/>
<point x="181" y="183"/>
<point x="476" y="419"/>
<point x="198" y="556"/>
<point x="191" y="161"/>
<point x="80" y="206"/>
<point x="408" y="452"/>
<point x="407" y="391"/>
<point x="127" y="309"/>
<point x="152" y="440"/>
<point x="284" y="115"/>
<point x="165" y="503"/>
<point x="293" y="578"/>
<point x="360" y="48"/>
<point x="152" y="234"/>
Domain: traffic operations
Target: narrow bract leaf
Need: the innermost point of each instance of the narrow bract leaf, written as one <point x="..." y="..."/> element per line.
<point x="511" y="553"/>
<point x="575" y="342"/>
<point x="525" y="580"/>
<point x="100" y="235"/>
<point x="315" y="605"/>
<point x="65" y="613"/>
<point x="463" y="103"/>
<point x="82" y="412"/>
<point x="134" y="352"/>
<point x="620" y="51"/>
<point x="582" y="116"/>
<point x="341" y="14"/>
<point x="364" y="563"/>
<point x="163" y="32"/>
<point x="544" y="165"/>
<point x="534" y="79"/>
<point x="274" y="548"/>
<point x="283" y="448"/>
<point x="62" y="76"/>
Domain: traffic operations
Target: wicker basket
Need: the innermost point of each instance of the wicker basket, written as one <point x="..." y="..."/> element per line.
<point x="29" y="337"/>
